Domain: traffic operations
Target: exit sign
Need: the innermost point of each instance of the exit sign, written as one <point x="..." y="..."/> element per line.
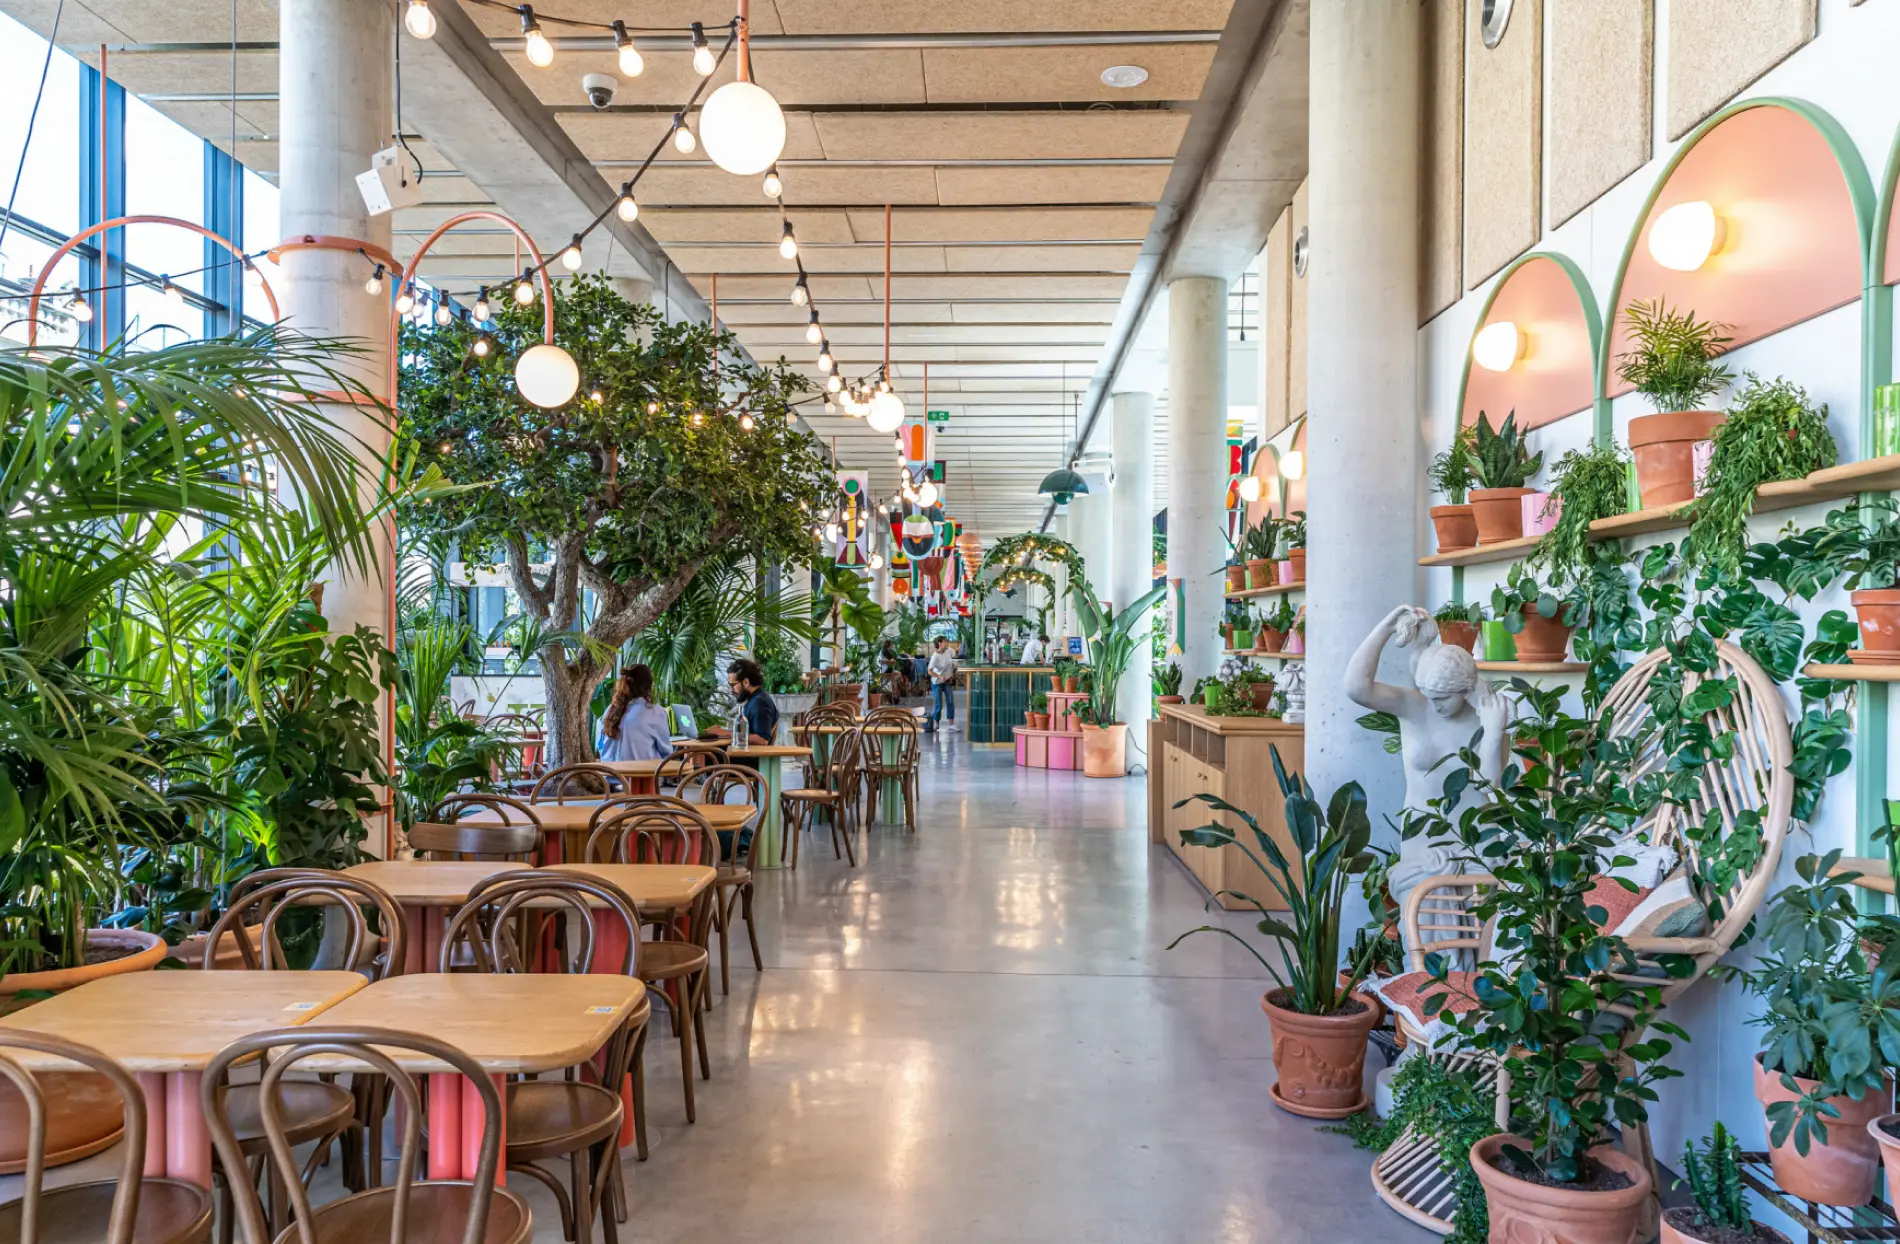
<point x="937" y="416"/>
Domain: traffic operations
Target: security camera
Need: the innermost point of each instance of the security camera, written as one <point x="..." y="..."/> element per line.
<point x="600" y="88"/>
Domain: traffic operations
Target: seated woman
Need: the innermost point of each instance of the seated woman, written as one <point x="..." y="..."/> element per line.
<point x="634" y="727"/>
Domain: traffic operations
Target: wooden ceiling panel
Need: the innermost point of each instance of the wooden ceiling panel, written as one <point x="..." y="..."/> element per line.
<point x="1102" y="313"/>
<point x="177" y="21"/>
<point x="977" y="16"/>
<point x="680" y="13"/>
<point x="1000" y="225"/>
<point x="1140" y="183"/>
<point x="781" y="316"/>
<point x="817" y="259"/>
<point x="1064" y="74"/>
<point x="796" y="79"/>
<point x="631" y="135"/>
<point x="1042" y="258"/>
<point x="997" y="135"/>
<point x="704" y="185"/>
<point x="822" y="287"/>
<point x="761" y="224"/>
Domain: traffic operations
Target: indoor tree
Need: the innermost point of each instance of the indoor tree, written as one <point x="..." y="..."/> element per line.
<point x="676" y="449"/>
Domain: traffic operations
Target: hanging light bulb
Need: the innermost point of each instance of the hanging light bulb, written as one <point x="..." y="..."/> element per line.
<point x="683" y="140"/>
<point x="877" y="561"/>
<point x="631" y="62"/>
<point x="825" y="361"/>
<point x="172" y="293"/>
<point x="418" y="20"/>
<point x="801" y="292"/>
<point x="653" y="408"/>
<point x="745" y="422"/>
<point x="1250" y="488"/>
<point x="927" y="494"/>
<point x="404" y="300"/>
<point x="596" y="397"/>
<point x="442" y="315"/>
<point x="831" y="407"/>
<point x="374" y="285"/>
<point x="524" y="292"/>
<point x="791" y="418"/>
<point x="79" y="309"/>
<point x="813" y="333"/>
<point x="699" y="420"/>
<point x="540" y="51"/>
<point x="774" y="186"/>
<point x="627" y="209"/>
<point x="704" y="62"/>
<point x="744" y="128"/>
<point x="1293" y="464"/>
<point x="824" y="515"/>
<point x="480" y="348"/>
<point x="834" y="384"/>
<point x="571" y="257"/>
<point x="547" y="375"/>
<point x="886" y="413"/>
<point x="787" y="244"/>
<point x="831" y="533"/>
<point x="481" y="305"/>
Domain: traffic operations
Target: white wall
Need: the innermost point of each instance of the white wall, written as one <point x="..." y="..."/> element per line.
<point x="1847" y="71"/>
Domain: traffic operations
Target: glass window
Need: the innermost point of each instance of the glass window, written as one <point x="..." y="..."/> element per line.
<point x="49" y="184"/>
<point x="60" y="324"/>
<point x="260" y="230"/>
<point x="154" y="320"/>
<point x="164" y="176"/>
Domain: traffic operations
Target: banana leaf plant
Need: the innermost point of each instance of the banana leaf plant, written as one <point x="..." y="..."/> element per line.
<point x="1333" y="843"/>
<point x="1111" y="641"/>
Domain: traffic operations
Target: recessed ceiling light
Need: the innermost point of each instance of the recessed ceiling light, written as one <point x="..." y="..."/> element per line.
<point x="1124" y="76"/>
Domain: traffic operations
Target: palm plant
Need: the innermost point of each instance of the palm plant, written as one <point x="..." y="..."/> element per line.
<point x="1111" y="642"/>
<point x="721" y="610"/>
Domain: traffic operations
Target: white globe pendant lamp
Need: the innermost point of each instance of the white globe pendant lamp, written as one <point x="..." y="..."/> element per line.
<point x="547" y="375"/>
<point x="741" y="124"/>
<point x="886" y="414"/>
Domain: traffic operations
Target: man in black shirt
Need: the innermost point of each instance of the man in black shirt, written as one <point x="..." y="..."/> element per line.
<point x="756" y="707"/>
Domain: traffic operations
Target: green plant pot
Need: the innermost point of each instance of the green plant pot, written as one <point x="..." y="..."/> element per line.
<point x="1243" y="640"/>
<point x="1499" y="644"/>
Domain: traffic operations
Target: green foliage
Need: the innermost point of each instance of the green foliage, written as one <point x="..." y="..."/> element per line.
<point x="1861" y="540"/>
<point x="438" y="752"/>
<point x="1593" y="483"/>
<point x="1448" y="1107"/>
<point x="784" y="675"/>
<point x="1672" y="355"/>
<point x="720" y="611"/>
<point x="1714" y="1177"/>
<point x="1257" y="544"/>
<point x="1293" y="530"/>
<point x="1281" y="615"/>
<point x="1331" y="842"/>
<point x="1503" y="457"/>
<point x="1382" y="955"/>
<point x="1454" y="471"/>
<point x="1451" y="611"/>
<point x="1553" y="1006"/>
<point x="1039" y="702"/>
<point x="1167" y="679"/>
<point x="1773" y="432"/>
<point x="1382" y="723"/>
<point x="1111" y="640"/>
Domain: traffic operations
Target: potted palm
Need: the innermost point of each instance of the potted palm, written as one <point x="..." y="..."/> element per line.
<point x="1720" y="1214"/>
<point x="1319" y="1022"/>
<point x="1504" y="467"/>
<point x="1111" y="641"/>
<point x="1671" y="361"/>
<point x="1862" y="541"/>
<point x="1452" y="474"/>
<point x="1257" y="546"/>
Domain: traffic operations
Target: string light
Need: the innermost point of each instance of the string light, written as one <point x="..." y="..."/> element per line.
<point x="627" y="209"/>
<point x="745" y="421"/>
<point x="524" y="292"/>
<point x="825" y="361"/>
<point x="801" y="292"/>
<point x="813" y="333"/>
<point x="480" y="347"/>
<point x="481" y="305"/>
<point x="172" y="293"/>
<point x="877" y="561"/>
<point x="79" y="309"/>
<point x="774" y="186"/>
<point x="683" y="139"/>
<point x="597" y="397"/>
<point x="791" y="418"/>
<point x="699" y="420"/>
<point x="834" y="384"/>
<point x="653" y="408"/>
<point x="374" y="285"/>
<point x="571" y="257"/>
<point x="787" y="244"/>
<point x="540" y="51"/>
<point x="404" y="301"/>
<point x="418" y="20"/>
<point x="442" y="315"/>
<point x="631" y="62"/>
<point x="704" y="62"/>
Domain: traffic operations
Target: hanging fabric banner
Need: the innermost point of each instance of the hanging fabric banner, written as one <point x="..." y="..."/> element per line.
<point x="853" y="519"/>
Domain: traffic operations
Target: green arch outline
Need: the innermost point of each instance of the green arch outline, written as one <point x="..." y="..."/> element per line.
<point x="1592" y="317"/>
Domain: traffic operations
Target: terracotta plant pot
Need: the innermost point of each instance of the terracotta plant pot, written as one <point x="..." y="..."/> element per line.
<point x="874" y="699"/>
<point x="1170" y="699"/>
<point x="1542" y="639"/>
<point x="1664" y="446"/>
<point x="1889" y="1148"/>
<point x="1262" y="695"/>
<point x="1879" y="612"/>
<point x="1841" y="1171"/>
<point x="1227" y="634"/>
<point x="1297" y="559"/>
<point x="1237" y="578"/>
<point x="1072" y="684"/>
<point x="1243" y="640"/>
<point x="1458" y="635"/>
<point x="1270" y="639"/>
<point x="1105" y="751"/>
<point x="1456" y="526"/>
<point x="1522" y="1210"/>
<point x="1320" y="1059"/>
<point x="1259" y="572"/>
<point x="1499" y="513"/>
<point x="1679" y="1227"/>
<point x="1055" y="682"/>
<point x="1038" y="721"/>
<point x="1071" y="723"/>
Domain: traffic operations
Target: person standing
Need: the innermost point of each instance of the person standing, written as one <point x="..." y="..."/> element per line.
<point x="634" y="727"/>
<point x="1036" y="649"/>
<point x="943" y="684"/>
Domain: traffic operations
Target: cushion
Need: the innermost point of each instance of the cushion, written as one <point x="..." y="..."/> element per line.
<point x="1406" y="995"/>
<point x="1616" y="901"/>
<point x="1670" y="910"/>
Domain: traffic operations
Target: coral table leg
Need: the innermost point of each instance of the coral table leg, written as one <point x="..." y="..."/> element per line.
<point x="187" y="1141"/>
<point x="445" y="1127"/>
<point x="153" y="1084"/>
<point x="472" y="1130"/>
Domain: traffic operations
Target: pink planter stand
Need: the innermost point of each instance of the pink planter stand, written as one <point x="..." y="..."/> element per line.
<point x="1048" y="749"/>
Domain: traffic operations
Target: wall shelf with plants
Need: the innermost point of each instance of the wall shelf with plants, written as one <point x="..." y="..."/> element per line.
<point x="1276" y="589"/>
<point x="1533" y="667"/>
<point x="1853" y="673"/>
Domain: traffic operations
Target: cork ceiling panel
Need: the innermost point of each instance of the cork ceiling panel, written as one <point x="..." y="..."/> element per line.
<point x="1139" y="183"/>
<point x="178" y="21"/>
<point x="829" y="259"/>
<point x="213" y="120"/>
<point x="1717" y="47"/>
<point x="796" y="78"/>
<point x="146" y="72"/>
<point x="792" y="336"/>
<point x="1503" y="140"/>
<point x="1600" y="98"/>
<point x="1035" y="225"/>
<point x="979" y="75"/>
<point x="822" y="287"/>
<point x="922" y="16"/>
<point x="1008" y="286"/>
<point x="631" y="135"/>
<point x="1102" y="312"/>
<point x="1042" y="258"/>
<point x="1442" y="158"/>
<point x="779" y="314"/>
<point x="761" y="225"/>
<point x="77" y="24"/>
<point x="654" y="13"/>
<point x="997" y="135"/>
<point x="704" y="185"/>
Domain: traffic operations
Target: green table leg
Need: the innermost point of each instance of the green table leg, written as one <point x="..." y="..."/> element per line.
<point x="890" y="746"/>
<point x="768" y="851"/>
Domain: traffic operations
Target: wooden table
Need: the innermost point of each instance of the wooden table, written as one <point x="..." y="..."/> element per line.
<point x="428" y="891"/>
<point x="506" y="1024"/>
<point x="890" y="790"/>
<point x="769" y="850"/>
<point x="641" y="775"/>
<point x="165" y="1028"/>
<point x="565" y="826"/>
<point x="649" y="885"/>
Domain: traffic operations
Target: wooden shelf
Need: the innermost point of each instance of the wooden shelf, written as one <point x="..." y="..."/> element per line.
<point x="1262" y="652"/>
<point x="1874" y="873"/>
<point x="1503" y="551"/>
<point x="1532" y="667"/>
<point x="1873" y="475"/>
<point x="1855" y="673"/>
<point x="1274" y="589"/>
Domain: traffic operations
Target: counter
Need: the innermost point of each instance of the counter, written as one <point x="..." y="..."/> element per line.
<point x="1230" y="757"/>
<point x="999" y="697"/>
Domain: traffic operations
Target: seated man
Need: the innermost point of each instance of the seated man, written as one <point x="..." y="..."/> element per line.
<point x="758" y="714"/>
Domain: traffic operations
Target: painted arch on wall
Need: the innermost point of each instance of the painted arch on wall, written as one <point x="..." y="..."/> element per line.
<point x="1549" y="300"/>
<point x="1798" y="207"/>
<point x="1884" y="267"/>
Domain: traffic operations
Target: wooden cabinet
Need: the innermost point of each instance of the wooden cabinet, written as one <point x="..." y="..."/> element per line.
<point x="1230" y="758"/>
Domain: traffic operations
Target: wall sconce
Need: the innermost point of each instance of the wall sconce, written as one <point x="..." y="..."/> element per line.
<point x="1499" y="346"/>
<point x="1292" y="464"/>
<point x="1683" y="238"/>
<point x="1250" y="488"/>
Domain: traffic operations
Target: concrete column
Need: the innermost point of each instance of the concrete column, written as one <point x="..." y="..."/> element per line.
<point x="1363" y="430"/>
<point x="1134" y="507"/>
<point x="335" y="113"/>
<point x="1091" y="532"/>
<point x="1197" y="464"/>
<point x="1062" y="617"/>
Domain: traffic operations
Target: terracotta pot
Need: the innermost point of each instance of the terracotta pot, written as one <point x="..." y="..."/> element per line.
<point x="1262" y="695"/>
<point x="1889" y="1149"/>
<point x="1664" y="446"/>
<point x="1320" y="1059"/>
<point x="1366" y="995"/>
<point x="1297" y="559"/>
<point x="1879" y="612"/>
<point x="1072" y="684"/>
<point x="1522" y="1210"/>
<point x="1105" y="751"/>
<point x="1499" y="513"/>
<point x="1259" y="572"/>
<point x="1038" y="721"/>
<point x="1456" y="526"/>
<point x="1237" y="578"/>
<point x="1542" y="639"/>
<point x="1071" y="723"/>
<point x="874" y="699"/>
<point x="1685" y="1233"/>
<point x="1458" y="635"/>
<point x="1227" y="634"/>
<point x="1841" y="1171"/>
<point x="146" y="949"/>
<point x="191" y="951"/>
<point x="1055" y="682"/>
<point x="1270" y="639"/>
<point x="1171" y="699"/>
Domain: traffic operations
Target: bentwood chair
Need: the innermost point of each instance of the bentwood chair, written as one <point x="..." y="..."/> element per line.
<point x="570" y="1117"/>
<point x="408" y="1210"/>
<point x="836" y="795"/>
<point x="824" y="742"/>
<point x="902" y="768"/>
<point x="716" y="784"/>
<point x="310" y="1110"/>
<point x="579" y="782"/>
<point x="129" y="1210"/>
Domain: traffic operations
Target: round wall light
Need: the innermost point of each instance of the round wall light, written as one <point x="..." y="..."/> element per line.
<point x="1124" y="77"/>
<point x="547" y="375"/>
<point x="1497" y="347"/>
<point x="1250" y="488"/>
<point x="1683" y="238"/>
<point x="1292" y="464"/>
<point x="743" y="128"/>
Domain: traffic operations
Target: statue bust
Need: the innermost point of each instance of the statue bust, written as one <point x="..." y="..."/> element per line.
<point x="1445" y="708"/>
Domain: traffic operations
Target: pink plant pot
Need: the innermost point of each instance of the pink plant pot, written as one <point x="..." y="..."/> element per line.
<point x="1286" y="571"/>
<point x="1541" y="512"/>
<point x="1295" y="642"/>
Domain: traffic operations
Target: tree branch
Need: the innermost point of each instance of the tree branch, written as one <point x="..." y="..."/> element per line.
<point x="533" y="596"/>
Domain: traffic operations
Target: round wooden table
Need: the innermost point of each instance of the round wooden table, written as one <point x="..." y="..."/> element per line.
<point x="565" y="826"/>
<point x="769" y="850"/>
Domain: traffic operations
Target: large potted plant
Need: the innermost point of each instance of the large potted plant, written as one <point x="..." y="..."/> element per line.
<point x="1560" y="1004"/>
<point x="1720" y="1214"/>
<point x="1862" y="541"/>
<point x="1773" y="431"/>
<point x="1504" y="466"/>
<point x="1452" y="474"/>
<point x="1111" y="641"/>
<point x="1671" y="361"/>
<point x="1319" y="1022"/>
<point x="1831" y="1020"/>
<point x="1589" y="484"/>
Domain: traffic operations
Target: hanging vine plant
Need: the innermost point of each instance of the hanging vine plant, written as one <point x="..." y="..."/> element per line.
<point x="1033" y="546"/>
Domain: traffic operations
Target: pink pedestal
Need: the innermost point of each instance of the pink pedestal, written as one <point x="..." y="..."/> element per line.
<point x="1048" y="749"/>
<point x="177" y="1143"/>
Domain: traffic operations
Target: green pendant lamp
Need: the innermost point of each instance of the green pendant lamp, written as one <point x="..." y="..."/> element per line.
<point x="1063" y="484"/>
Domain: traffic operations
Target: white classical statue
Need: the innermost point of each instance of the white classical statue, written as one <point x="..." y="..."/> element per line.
<point x="1447" y="706"/>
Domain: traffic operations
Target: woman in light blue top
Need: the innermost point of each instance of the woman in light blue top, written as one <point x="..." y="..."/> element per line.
<point x="634" y="727"/>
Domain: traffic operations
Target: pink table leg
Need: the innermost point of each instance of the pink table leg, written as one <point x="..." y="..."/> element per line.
<point x="153" y="1085"/>
<point x="472" y="1131"/>
<point x="610" y="950"/>
<point x="187" y="1141"/>
<point x="445" y="1127"/>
